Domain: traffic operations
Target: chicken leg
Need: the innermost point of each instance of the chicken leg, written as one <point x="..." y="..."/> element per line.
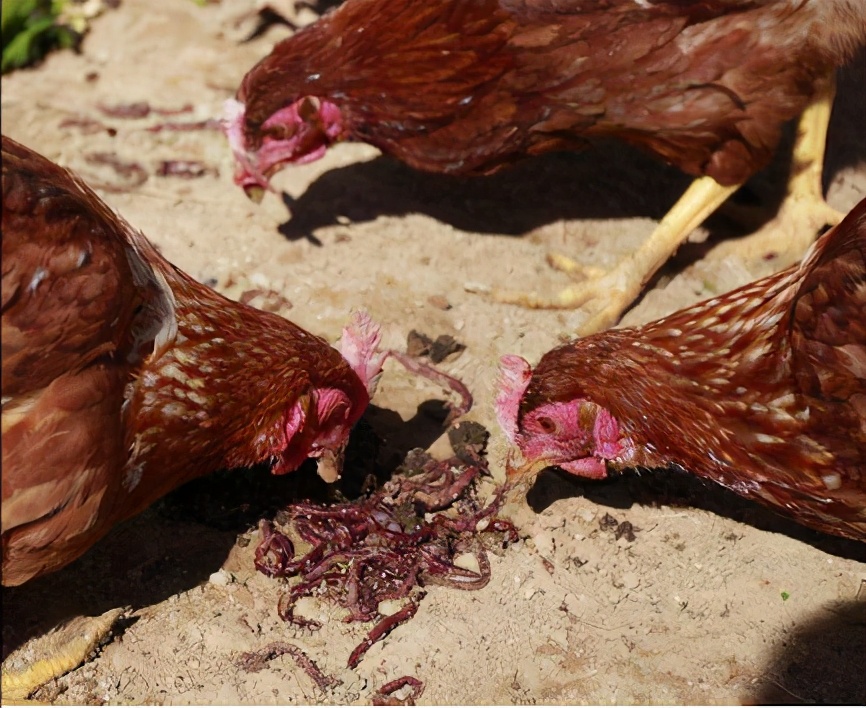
<point x="804" y="212"/>
<point x="58" y="652"/>
<point x="800" y="218"/>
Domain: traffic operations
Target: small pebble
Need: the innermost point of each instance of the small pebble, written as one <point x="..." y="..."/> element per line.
<point x="221" y="578"/>
<point x="387" y="608"/>
<point x="439" y="302"/>
<point x="467" y="561"/>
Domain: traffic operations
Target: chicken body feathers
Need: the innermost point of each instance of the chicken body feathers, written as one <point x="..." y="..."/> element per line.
<point x="469" y="86"/>
<point x="123" y="377"/>
<point x="762" y="390"/>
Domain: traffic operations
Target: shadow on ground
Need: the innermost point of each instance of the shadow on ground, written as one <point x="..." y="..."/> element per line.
<point x="141" y="562"/>
<point x="680" y="489"/>
<point x="821" y="658"/>
<point x="821" y="661"/>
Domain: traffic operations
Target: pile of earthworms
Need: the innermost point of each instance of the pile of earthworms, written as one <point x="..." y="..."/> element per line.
<point x="391" y="544"/>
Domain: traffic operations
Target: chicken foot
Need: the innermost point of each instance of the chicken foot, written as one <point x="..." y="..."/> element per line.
<point x="800" y="218"/>
<point x="58" y="653"/>
<point x="619" y="287"/>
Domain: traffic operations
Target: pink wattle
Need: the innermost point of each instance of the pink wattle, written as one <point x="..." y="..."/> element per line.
<point x="590" y="467"/>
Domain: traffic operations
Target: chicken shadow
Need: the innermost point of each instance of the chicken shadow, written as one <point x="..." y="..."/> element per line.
<point x="176" y="544"/>
<point x="677" y="488"/>
<point x="820" y="661"/>
<point x="607" y="180"/>
<point x="141" y="562"/>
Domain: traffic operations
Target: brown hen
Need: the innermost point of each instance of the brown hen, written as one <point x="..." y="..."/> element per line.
<point x="762" y="390"/>
<point x="123" y="377"/>
<point x="469" y="86"/>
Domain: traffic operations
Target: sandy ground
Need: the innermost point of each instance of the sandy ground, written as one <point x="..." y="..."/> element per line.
<point x="691" y="611"/>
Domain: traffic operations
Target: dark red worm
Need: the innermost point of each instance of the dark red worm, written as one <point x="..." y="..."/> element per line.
<point x="445" y="495"/>
<point x="139" y="109"/>
<point x="255" y="661"/>
<point x="274" y="552"/>
<point x="86" y="125"/>
<point x="443" y="572"/>
<point x="209" y="124"/>
<point x="132" y="173"/>
<point x="443" y="379"/>
<point x="385" y="695"/>
<point x="386" y="624"/>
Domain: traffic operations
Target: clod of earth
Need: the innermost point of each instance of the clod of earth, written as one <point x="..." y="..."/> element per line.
<point x="437" y="350"/>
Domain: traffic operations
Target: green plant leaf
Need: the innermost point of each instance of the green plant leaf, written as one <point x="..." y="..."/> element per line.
<point x="30" y="31"/>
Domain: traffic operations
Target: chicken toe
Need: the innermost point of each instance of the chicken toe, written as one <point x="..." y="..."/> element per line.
<point x="564" y="264"/>
<point x="55" y="654"/>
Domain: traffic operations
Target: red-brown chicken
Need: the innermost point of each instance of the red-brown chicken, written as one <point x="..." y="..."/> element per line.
<point x="468" y="86"/>
<point x="123" y="377"/>
<point x="762" y="390"/>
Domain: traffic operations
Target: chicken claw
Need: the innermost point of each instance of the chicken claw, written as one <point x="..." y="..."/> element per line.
<point x="58" y="653"/>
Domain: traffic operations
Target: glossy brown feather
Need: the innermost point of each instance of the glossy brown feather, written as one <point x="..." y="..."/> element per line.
<point x="762" y="390"/>
<point x="468" y="86"/>
<point x="122" y="376"/>
<point x="65" y="278"/>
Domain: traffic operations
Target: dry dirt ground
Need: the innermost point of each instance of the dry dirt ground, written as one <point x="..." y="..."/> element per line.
<point x="714" y="601"/>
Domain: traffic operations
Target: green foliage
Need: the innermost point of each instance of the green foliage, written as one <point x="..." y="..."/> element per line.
<point x="30" y="30"/>
<point x="785" y="595"/>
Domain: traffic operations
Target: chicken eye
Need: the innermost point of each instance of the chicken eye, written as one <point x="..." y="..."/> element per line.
<point x="547" y="425"/>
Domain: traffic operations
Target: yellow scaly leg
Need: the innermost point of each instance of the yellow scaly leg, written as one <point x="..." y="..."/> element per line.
<point x="58" y="652"/>
<point x="803" y="212"/>
<point x="619" y="287"/>
<point x="799" y="220"/>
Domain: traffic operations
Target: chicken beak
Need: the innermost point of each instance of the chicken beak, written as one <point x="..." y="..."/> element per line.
<point x="330" y="465"/>
<point x="519" y="476"/>
<point x="255" y="193"/>
<point x="520" y="473"/>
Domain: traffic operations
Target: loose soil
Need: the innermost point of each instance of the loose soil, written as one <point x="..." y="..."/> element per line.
<point x="641" y="589"/>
